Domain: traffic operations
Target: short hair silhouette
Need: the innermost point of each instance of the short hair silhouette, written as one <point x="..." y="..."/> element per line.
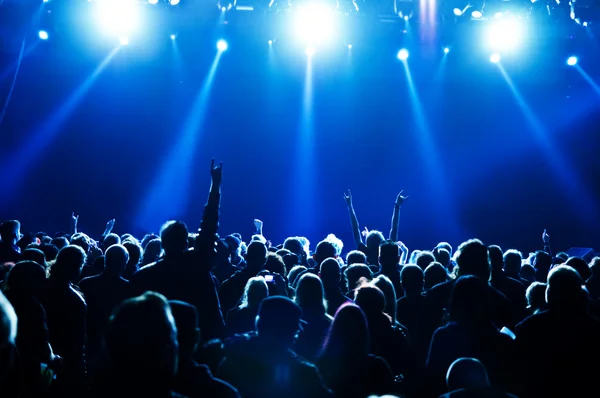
<point x="278" y="320"/>
<point x="255" y="291"/>
<point x="467" y="373"/>
<point x="174" y="237"/>
<point x="256" y="255"/>
<point x="472" y="259"/>
<point x="446" y="246"/>
<point x="527" y="272"/>
<point x="152" y="251"/>
<point x="325" y="249"/>
<point x="356" y="257"/>
<point x="434" y="274"/>
<point x="115" y="260"/>
<point x="496" y="257"/>
<point x="26" y="278"/>
<point x="275" y="264"/>
<point x="134" y="250"/>
<point x="330" y="272"/>
<point x="310" y="294"/>
<point x="294" y="245"/>
<point x="513" y="259"/>
<point x="442" y="256"/>
<point x="370" y="299"/>
<point x="68" y="265"/>
<point x="374" y="239"/>
<point x="110" y="240"/>
<point x="564" y="288"/>
<point x="60" y="242"/>
<point x="35" y="255"/>
<point x="536" y="295"/>
<point x="424" y="258"/>
<point x="389" y="252"/>
<point x="9" y="230"/>
<point x="412" y="279"/>
<point x="580" y="266"/>
<point x="355" y="272"/>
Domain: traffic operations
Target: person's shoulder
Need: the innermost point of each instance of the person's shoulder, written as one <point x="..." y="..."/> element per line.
<point x="440" y="289"/>
<point x="533" y="321"/>
<point x="87" y="282"/>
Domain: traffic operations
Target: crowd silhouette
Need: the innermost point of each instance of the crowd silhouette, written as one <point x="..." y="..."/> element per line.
<point x="195" y="314"/>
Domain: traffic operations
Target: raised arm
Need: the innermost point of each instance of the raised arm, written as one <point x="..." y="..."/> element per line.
<point x="210" y="220"/>
<point x="259" y="227"/>
<point x="396" y="216"/>
<point x="73" y="224"/>
<point x="546" y="240"/>
<point x="110" y="224"/>
<point x="353" y="219"/>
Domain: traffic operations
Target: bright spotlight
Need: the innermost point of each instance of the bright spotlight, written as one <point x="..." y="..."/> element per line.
<point x="270" y="42"/>
<point x="476" y="14"/>
<point x="223" y="9"/>
<point x="495" y="58"/>
<point x="310" y="51"/>
<point x="124" y="40"/>
<point x="153" y="1"/>
<point x="572" y="61"/>
<point x="173" y="2"/>
<point x="585" y="24"/>
<point x="406" y="17"/>
<point x="446" y="50"/>
<point x="222" y="45"/>
<point x="118" y="17"/>
<point x="403" y="54"/>
<point x="173" y="37"/>
<point x="349" y="46"/>
<point x="457" y="11"/>
<point x="505" y="34"/>
<point x="498" y="15"/>
<point x="315" y="24"/>
<point x="42" y="34"/>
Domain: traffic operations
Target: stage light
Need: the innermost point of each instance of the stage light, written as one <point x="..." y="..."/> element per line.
<point x="173" y="2"/>
<point x="457" y="11"/>
<point x="223" y="9"/>
<point x="310" y="51"/>
<point x="118" y="17"/>
<point x="498" y="15"/>
<point x="173" y="37"/>
<point x="403" y="54"/>
<point x="222" y="45"/>
<point x="446" y="50"/>
<point x="124" y="40"/>
<point x="406" y="17"/>
<point x="572" y="61"/>
<point x="349" y="46"/>
<point x="270" y="42"/>
<point x="315" y="24"/>
<point x="153" y="1"/>
<point x="585" y="24"/>
<point x="494" y="58"/>
<point x="476" y="14"/>
<point x="506" y="34"/>
<point x="42" y="34"/>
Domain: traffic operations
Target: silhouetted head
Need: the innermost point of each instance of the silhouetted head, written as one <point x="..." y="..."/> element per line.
<point x="233" y="243"/>
<point x="329" y="272"/>
<point x="256" y="290"/>
<point x="512" y="263"/>
<point x="387" y="287"/>
<point x="412" y="279"/>
<point x="26" y="278"/>
<point x="528" y="272"/>
<point x="278" y="321"/>
<point x="446" y="246"/>
<point x="10" y="231"/>
<point x="256" y="255"/>
<point x="325" y="249"/>
<point x="337" y="244"/>
<point x="141" y="340"/>
<point x="355" y="272"/>
<point x="152" y="251"/>
<point x="295" y="246"/>
<point x="275" y="264"/>
<point x="424" y="258"/>
<point x="310" y="295"/>
<point x="81" y="240"/>
<point x="564" y="290"/>
<point x="443" y="257"/>
<point x="374" y="240"/>
<point x="356" y="257"/>
<point x="174" y="237"/>
<point x="8" y="325"/>
<point x="435" y="274"/>
<point x="289" y="259"/>
<point x="542" y="262"/>
<point x="467" y="373"/>
<point x="294" y="273"/>
<point x="348" y="336"/>
<point x="467" y="306"/>
<point x="580" y="266"/>
<point x="50" y="252"/>
<point x="115" y="260"/>
<point x="536" y="296"/>
<point x="496" y="258"/>
<point x="35" y="255"/>
<point x="389" y="253"/>
<point x="147" y="238"/>
<point x="134" y="250"/>
<point x="60" y="242"/>
<point x="110" y="240"/>
<point x="472" y="259"/>
<point x="188" y="329"/>
<point x="68" y="265"/>
<point x="370" y="299"/>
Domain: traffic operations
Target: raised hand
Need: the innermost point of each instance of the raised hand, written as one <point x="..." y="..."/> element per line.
<point x="400" y="199"/>
<point x="348" y="198"/>
<point x="258" y="224"/>
<point x="365" y="232"/>
<point x="545" y="238"/>
<point x="402" y="246"/>
<point x="110" y="224"/>
<point x="74" y="219"/>
<point x="216" y="172"/>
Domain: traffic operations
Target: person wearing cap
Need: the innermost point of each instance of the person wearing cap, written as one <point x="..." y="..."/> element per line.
<point x="264" y="365"/>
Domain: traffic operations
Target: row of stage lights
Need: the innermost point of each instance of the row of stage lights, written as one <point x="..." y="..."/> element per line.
<point x="402" y="55"/>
